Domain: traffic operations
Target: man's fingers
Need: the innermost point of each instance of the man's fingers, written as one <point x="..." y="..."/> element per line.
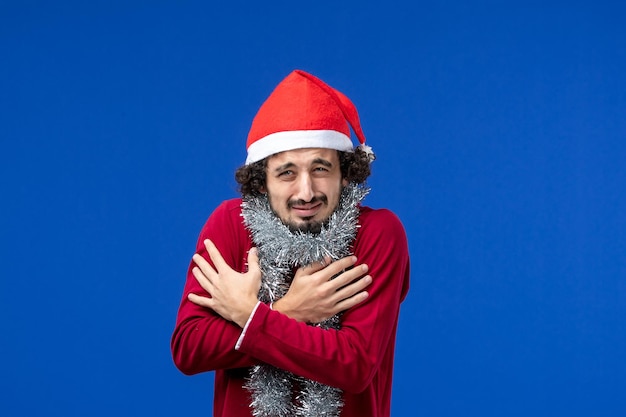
<point x="201" y="301"/>
<point x="202" y="279"/>
<point x="253" y="261"/>
<point x="348" y="303"/>
<point x="353" y="288"/>
<point x="336" y="267"/>
<point x="204" y="266"/>
<point x="352" y="293"/>
<point x="215" y="255"/>
<point x="314" y="267"/>
<point x="348" y="276"/>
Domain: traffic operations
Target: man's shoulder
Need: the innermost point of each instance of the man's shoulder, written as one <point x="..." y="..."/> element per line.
<point x="224" y="221"/>
<point x="226" y="214"/>
<point x="231" y="203"/>
<point x="380" y="222"/>
<point x="229" y="207"/>
<point x="377" y="216"/>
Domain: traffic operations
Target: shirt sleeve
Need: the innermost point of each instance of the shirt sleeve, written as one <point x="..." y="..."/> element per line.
<point x="202" y="340"/>
<point x="243" y="332"/>
<point x="347" y="358"/>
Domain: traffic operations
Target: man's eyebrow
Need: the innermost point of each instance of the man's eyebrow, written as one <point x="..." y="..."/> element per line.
<point x="284" y="166"/>
<point x="323" y="161"/>
<point x="320" y="161"/>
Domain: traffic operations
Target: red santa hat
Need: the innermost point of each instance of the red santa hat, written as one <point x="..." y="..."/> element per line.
<point x="303" y="112"/>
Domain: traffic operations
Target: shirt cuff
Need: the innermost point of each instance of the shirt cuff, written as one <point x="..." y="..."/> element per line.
<point x="243" y="332"/>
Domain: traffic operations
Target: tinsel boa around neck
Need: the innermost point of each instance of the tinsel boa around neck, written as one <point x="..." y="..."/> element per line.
<point x="280" y="251"/>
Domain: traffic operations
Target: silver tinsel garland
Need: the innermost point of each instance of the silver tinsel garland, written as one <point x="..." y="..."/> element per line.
<point x="280" y="251"/>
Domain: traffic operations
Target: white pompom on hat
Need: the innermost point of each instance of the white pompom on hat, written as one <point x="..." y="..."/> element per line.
<point x="303" y="112"/>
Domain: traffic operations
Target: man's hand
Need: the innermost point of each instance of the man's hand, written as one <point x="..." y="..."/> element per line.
<point x="232" y="295"/>
<point x="313" y="296"/>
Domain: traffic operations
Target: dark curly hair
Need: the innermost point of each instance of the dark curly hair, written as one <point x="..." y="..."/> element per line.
<point x="355" y="167"/>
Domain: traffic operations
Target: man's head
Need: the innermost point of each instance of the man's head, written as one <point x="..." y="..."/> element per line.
<point x="300" y="152"/>
<point x="304" y="186"/>
<point x="261" y="178"/>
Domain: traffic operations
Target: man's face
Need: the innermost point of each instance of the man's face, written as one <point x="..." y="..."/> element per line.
<point x="304" y="186"/>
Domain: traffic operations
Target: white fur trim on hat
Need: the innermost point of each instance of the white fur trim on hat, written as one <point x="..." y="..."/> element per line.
<point x="297" y="139"/>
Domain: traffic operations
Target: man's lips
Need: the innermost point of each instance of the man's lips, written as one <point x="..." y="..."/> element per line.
<point x="307" y="210"/>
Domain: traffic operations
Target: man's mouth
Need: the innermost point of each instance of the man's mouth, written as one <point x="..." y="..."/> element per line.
<point x="307" y="210"/>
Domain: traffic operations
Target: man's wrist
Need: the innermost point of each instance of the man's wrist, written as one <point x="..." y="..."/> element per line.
<point x="283" y="307"/>
<point x="245" y="313"/>
<point x="245" y="326"/>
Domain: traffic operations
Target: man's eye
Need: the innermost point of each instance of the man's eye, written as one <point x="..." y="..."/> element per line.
<point x="285" y="173"/>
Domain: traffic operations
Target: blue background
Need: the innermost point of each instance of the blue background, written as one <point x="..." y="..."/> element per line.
<point x="500" y="130"/>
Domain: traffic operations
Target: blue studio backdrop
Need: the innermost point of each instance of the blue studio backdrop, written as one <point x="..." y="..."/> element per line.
<point x="500" y="131"/>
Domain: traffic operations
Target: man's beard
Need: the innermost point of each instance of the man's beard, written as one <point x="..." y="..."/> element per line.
<point x="313" y="227"/>
<point x="308" y="225"/>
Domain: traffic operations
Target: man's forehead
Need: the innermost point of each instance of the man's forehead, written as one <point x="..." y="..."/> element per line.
<point x="303" y="156"/>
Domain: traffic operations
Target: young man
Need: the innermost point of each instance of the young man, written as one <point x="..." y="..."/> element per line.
<point x="294" y="293"/>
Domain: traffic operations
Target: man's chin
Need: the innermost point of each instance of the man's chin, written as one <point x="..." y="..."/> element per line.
<point x="306" y="226"/>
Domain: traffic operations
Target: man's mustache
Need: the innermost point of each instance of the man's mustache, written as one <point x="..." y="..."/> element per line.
<point x="322" y="198"/>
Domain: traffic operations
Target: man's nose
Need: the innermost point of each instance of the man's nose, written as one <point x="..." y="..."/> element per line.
<point x="305" y="188"/>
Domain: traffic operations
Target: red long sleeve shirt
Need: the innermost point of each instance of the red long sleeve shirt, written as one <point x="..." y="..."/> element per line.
<point x="357" y="358"/>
